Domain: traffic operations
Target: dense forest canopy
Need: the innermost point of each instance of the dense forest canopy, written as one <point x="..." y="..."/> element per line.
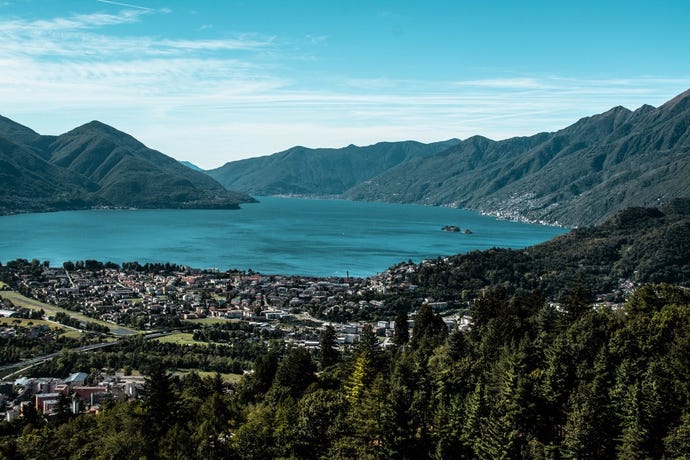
<point x="527" y="381"/>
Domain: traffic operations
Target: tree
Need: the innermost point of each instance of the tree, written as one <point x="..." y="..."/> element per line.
<point x="429" y="330"/>
<point x="401" y="334"/>
<point x="255" y="385"/>
<point x="159" y="400"/>
<point x="364" y="365"/>
<point x="368" y="343"/>
<point x="578" y="299"/>
<point x="328" y="353"/>
<point x="212" y="423"/>
<point x="319" y="423"/>
<point x="255" y="439"/>
<point x="296" y="372"/>
<point x="458" y="347"/>
<point x="677" y="443"/>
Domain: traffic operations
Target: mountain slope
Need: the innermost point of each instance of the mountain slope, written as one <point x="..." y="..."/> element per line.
<point x="97" y="165"/>
<point x="576" y="176"/>
<point x="191" y="165"/>
<point x="130" y="174"/>
<point x="30" y="183"/>
<point x="639" y="245"/>
<point x="319" y="172"/>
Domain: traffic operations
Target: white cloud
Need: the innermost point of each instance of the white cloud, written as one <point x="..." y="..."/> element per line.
<point x="127" y="5"/>
<point x="72" y="23"/>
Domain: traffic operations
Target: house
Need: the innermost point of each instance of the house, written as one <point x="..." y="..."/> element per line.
<point x="88" y="396"/>
<point x="78" y="378"/>
<point x="47" y="403"/>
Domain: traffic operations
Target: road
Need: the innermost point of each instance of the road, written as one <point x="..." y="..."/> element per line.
<point x="29" y="363"/>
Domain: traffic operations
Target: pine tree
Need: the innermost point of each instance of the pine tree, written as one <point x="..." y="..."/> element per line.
<point x="159" y="401"/>
<point x="578" y="299"/>
<point x="401" y="333"/>
<point x="633" y="432"/>
<point x="296" y="372"/>
<point x="328" y="354"/>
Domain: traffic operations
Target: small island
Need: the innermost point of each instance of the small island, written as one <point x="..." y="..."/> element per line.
<point x="455" y="229"/>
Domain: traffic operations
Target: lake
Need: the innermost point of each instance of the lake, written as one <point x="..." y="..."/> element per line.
<point x="275" y="236"/>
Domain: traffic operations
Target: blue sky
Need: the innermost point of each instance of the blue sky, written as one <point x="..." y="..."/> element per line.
<point x="212" y="82"/>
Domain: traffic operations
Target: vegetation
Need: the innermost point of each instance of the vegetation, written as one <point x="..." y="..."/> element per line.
<point x="638" y="245"/>
<point x="32" y="340"/>
<point x="579" y="175"/>
<point x="527" y="381"/>
<point x="181" y="338"/>
<point x="330" y="171"/>
<point x="72" y="318"/>
<point x="96" y="165"/>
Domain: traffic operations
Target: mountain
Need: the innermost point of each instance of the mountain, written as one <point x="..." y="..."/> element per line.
<point x="29" y="181"/>
<point x="320" y="172"/>
<point x="191" y="165"/>
<point x="636" y="245"/>
<point x="580" y="175"/>
<point x="97" y="165"/>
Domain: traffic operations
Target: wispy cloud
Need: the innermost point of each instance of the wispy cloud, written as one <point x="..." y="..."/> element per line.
<point x="84" y="37"/>
<point x="503" y="83"/>
<point x="127" y="5"/>
<point x="72" y="23"/>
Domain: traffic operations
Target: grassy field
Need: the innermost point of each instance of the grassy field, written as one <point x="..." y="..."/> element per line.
<point x="72" y="334"/>
<point x="207" y="321"/>
<point x="66" y="331"/>
<point x="19" y="300"/>
<point x="181" y="338"/>
<point x="227" y="378"/>
<point x="28" y="323"/>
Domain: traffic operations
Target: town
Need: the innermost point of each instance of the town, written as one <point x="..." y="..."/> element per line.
<point x="106" y="300"/>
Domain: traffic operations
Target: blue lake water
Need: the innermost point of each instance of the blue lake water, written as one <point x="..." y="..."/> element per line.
<point x="277" y="235"/>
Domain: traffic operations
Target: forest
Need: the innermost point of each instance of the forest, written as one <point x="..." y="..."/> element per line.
<point x="528" y="380"/>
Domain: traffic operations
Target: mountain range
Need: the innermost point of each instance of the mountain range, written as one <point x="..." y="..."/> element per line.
<point x="580" y="175"/>
<point x="577" y="176"/>
<point x="321" y="172"/>
<point x="96" y="165"/>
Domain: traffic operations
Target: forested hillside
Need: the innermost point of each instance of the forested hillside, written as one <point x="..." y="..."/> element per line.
<point x="97" y="165"/>
<point x="580" y="175"/>
<point x="637" y="245"/>
<point x="319" y="172"/>
<point x="526" y="381"/>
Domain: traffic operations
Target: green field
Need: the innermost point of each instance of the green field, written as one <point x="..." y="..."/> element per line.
<point x="181" y="338"/>
<point x="29" y="323"/>
<point x="3" y="285"/>
<point x="227" y="378"/>
<point x="207" y="321"/>
<point x="19" y="300"/>
<point x="72" y="334"/>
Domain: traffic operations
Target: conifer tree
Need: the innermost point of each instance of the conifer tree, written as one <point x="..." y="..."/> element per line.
<point x="401" y="333"/>
<point x="328" y="354"/>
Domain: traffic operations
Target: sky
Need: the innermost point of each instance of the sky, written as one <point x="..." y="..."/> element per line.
<point x="217" y="81"/>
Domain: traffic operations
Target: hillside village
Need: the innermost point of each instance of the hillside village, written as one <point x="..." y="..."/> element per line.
<point x="146" y="300"/>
